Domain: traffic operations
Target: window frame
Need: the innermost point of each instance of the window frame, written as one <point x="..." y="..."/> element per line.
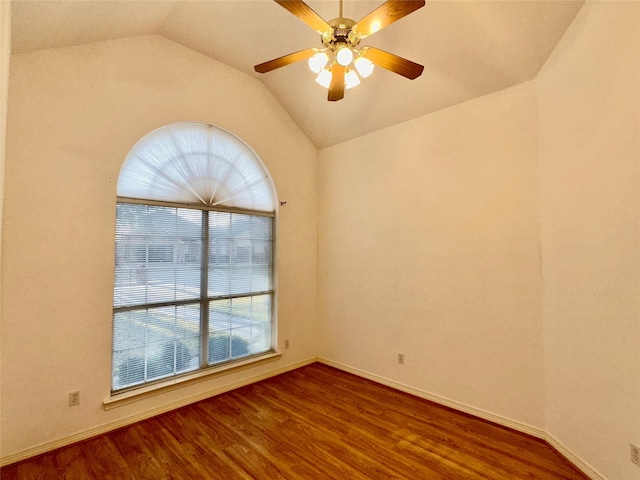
<point x="205" y="369"/>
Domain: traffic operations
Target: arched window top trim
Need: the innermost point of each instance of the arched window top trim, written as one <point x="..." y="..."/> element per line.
<point x="197" y="163"/>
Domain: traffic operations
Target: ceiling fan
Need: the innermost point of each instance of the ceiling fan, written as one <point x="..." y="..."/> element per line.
<point x="340" y="63"/>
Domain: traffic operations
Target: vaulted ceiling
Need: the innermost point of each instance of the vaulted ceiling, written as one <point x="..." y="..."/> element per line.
<point x="468" y="49"/>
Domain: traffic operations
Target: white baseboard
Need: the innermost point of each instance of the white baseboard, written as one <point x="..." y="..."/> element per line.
<point x="102" y="429"/>
<point x="580" y="464"/>
<point x="476" y="412"/>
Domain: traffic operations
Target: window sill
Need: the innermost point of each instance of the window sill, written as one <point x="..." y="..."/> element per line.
<point x="130" y="396"/>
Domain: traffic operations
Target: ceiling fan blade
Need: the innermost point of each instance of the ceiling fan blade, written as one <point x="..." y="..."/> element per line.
<point x="386" y="14"/>
<point x="306" y="14"/>
<point x="285" y="60"/>
<point x="393" y="63"/>
<point x="336" y="89"/>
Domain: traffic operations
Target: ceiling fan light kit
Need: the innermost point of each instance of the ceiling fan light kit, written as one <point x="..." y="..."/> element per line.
<point x="340" y="65"/>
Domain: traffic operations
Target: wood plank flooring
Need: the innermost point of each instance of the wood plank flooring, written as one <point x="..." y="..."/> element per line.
<point x="315" y="422"/>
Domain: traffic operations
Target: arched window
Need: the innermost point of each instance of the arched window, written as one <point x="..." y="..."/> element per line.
<point x="194" y="255"/>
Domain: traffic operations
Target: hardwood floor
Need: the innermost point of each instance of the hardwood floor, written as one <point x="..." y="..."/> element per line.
<point x="312" y="423"/>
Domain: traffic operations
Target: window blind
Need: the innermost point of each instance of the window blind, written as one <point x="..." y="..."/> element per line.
<point x="196" y="163"/>
<point x="170" y="291"/>
<point x="194" y="254"/>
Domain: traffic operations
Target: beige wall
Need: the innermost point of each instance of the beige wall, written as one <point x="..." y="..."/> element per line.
<point x="428" y="245"/>
<point x="5" y="55"/>
<point x="73" y="115"/>
<point x="589" y="103"/>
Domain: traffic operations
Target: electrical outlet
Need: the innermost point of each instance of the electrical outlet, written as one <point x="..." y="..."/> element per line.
<point x="286" y="344"/>
<point x="401" y="358"/>
<point x="635" y="454"/>
<point x="74" y="399"/>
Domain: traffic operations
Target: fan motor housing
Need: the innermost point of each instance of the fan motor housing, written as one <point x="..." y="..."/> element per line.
<point x="341" y="33"/>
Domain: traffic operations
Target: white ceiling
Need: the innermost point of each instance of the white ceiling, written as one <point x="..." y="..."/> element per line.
<point x="468" y="48"/>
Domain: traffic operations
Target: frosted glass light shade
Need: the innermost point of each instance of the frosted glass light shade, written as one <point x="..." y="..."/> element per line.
<point x="196" y="163"/>
<point x="364" y="66"/>
<point x="351" y="79"/>
<point x="344" y="56"/>
<point x="318" y="61"/>
<point x="324" y="78"/>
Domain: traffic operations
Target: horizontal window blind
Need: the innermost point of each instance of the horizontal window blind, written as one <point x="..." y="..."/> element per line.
<point x="153" y="343"/>
<point x="240" y="254"/>
<point x="154" y="261"/>
<point x="185" y="278"/>
<point x="239" y="327"/>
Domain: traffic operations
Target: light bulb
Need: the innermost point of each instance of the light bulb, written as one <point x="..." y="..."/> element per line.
<point x="324" y="78"/>
<point x="364" y="66"/>
<point x="351" y="79"/>
<point x="318" y="61"/>
<point x="344" y="56"/>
